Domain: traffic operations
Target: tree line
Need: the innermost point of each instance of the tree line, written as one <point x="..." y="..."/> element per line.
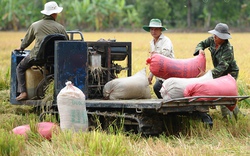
<point x="119" y="15"/>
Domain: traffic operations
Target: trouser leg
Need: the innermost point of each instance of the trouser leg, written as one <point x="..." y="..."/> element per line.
<point x="236" y="112"/>
<point x="20" y="72"/>
<point x="226" y="112"/>
<point x="157" y="88"/>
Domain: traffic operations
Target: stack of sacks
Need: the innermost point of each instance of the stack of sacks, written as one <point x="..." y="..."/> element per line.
<point x="133" y="87"/>
<point x="174" y="87"/>
<point x="164" y="67"/>
<point x="222" y="86"/>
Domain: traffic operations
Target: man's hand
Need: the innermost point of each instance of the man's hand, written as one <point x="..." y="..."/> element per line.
<point x="201" y="52"/>
<point x="152" y="53"/>
<point x="19" y="49"/>
<point x="202" y="72"/>
<point x="150" y="78"/>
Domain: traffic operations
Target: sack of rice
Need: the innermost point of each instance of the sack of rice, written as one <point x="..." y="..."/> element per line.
<point x="72" y="108"/>
<point x="165" y="67"/>
<point x="221" y="86"/>
<point x="133" y="87"/>
<point x="174" y="87"/>
<point x="45" y="129"/>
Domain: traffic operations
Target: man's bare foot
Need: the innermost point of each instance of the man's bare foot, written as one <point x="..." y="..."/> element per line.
<point x="22" y="96"/>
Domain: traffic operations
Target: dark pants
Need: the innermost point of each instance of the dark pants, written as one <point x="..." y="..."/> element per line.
<point x="227" y="113"/>
<point x="224" y="110"/>
<point x="20" y="72"/>
<point x="157" y="88"/>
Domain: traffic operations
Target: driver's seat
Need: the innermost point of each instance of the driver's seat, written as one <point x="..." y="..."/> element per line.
<point x="45" y="55"/>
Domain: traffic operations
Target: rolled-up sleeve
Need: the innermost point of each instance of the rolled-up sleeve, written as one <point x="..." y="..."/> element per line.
<point x="167" y="49"/>
<point x="203" y="45"/>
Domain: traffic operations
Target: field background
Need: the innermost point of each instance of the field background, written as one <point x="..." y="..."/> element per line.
<point x="231" y="138"/>
<point x="184" y="45"/>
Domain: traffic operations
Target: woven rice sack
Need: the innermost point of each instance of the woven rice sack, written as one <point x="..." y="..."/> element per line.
<point x="165" y="67"/>
<point x="174" y="87"/>
<point x="45" y="129"/>
<point x="72" y="108"/>
<point x="222" y="86"/>
<point x="133" y="87"/>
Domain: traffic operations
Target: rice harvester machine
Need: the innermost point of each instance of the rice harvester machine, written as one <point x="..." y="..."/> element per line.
<point x="89" y="65"/>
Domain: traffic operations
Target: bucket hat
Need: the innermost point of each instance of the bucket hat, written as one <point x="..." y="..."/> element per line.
<point x="51" y="8"/>
<point x="221" y="30"/>
<point x="154" y="23"/>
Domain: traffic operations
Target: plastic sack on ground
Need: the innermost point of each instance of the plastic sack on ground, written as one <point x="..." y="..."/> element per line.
<point x="222" y="86"/>
<point x="174" y="87"/>
<point x="45" y="129"/>
<point x="164" y="67"/>
<point x="72" y="108"/>
<point x="133" y="87"/>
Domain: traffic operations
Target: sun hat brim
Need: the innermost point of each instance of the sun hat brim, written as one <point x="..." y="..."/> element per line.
<point x="220" y="35"/>
<point x="147" y="28"/>
<point x="58" y="10"/>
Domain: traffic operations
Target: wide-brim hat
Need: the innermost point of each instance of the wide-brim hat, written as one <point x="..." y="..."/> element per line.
<point x="51" y="8"/>
<point x="221" y="30"/>
<point x="154" y="23"/>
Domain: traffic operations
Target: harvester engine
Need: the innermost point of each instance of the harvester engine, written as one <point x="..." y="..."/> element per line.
<point x="105" y="59"/>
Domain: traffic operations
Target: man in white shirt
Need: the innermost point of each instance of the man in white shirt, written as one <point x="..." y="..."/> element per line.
<point x="159" y="44"/>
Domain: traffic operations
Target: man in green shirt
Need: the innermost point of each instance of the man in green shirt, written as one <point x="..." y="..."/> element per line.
<point x="37" y="31"/>
<point x="222" y="54"/>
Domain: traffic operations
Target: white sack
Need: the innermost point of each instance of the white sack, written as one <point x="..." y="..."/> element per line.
<point x="72" y="108"/>
<point x="133" y="87"/>
<point x="174" y="87"/>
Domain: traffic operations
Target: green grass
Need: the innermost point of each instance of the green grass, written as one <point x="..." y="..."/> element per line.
<point x="10" y="144"/>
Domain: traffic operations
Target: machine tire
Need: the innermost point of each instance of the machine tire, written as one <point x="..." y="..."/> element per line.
<point x="42" y="87"/>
